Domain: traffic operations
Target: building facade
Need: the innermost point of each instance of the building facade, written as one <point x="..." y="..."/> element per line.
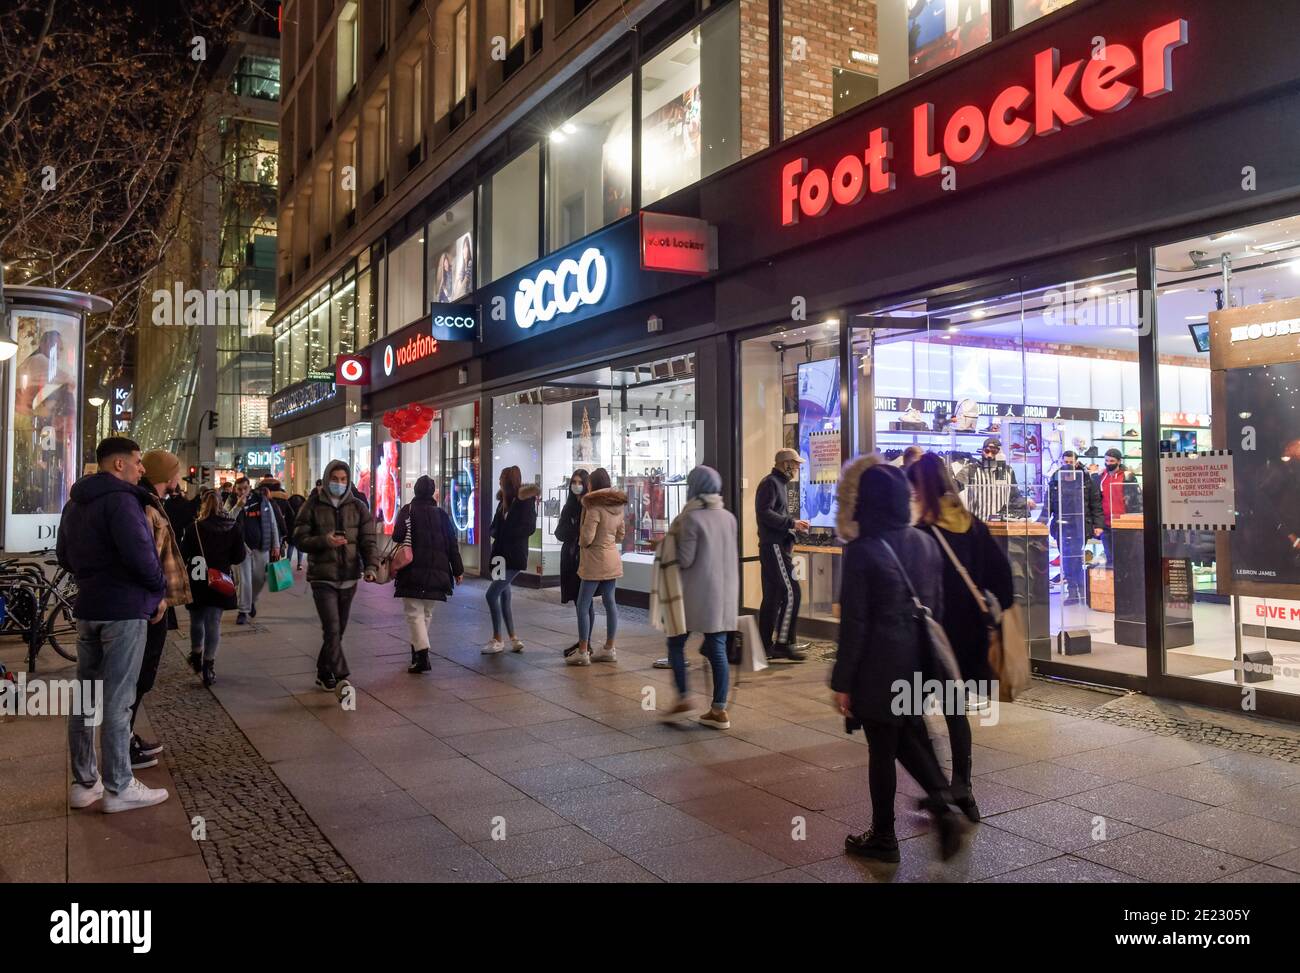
<point x="1063" y="226"/>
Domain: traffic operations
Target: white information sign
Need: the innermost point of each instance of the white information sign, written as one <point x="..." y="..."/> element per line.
<point x="1196" y="491"/>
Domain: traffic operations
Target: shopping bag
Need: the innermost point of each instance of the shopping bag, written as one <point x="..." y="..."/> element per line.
<point x="1009" y="654"/>
<point x="279" y="575"/>
<point x="752" y="656"/>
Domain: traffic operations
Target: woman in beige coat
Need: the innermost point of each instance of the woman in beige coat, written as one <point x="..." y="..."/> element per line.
<point x="600" y="565"/>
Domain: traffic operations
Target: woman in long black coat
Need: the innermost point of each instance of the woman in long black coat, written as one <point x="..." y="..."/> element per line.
<point x="566" y="532"/>
<point x="969" y="539"/>
<point x="882" y="650"/>
<point x="435" y="566"/>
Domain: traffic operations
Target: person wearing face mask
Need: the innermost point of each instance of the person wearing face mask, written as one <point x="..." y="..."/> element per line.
<point x="988" y="487"/>
<point x="336" y="530"/>
<point x="779" y="612"/>
<point x="566" y="532"/>
<point x="1114" y="497"/>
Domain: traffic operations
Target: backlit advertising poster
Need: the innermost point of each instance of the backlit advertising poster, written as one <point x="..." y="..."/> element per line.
<point x="1266" y="543"/>
<point x="941" y="30"/>
<point x="453" y="271"/>
<point x="387" y="487"/>
<point x="44" y="402"/>
<point x="819" y="423"/>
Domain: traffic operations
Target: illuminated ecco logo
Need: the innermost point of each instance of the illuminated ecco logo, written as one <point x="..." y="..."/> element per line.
<point x="562" y="290"/>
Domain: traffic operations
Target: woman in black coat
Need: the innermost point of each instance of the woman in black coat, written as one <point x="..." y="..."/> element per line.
<point x="882" y="654"/>
<point x="213" y="541"/>
<point x="435" y="567"/>
<point x="969" y="539"/>
<point x="566" y="532"/>
<point x="512" y="526"/>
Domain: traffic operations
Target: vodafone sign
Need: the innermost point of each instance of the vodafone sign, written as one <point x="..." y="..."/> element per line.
<point x="1063" y="94"/>
<point x="561" y="290"/>
<point x="352" y="370"/>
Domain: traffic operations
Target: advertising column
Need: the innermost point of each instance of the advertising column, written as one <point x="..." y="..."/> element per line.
<point x="44" y="404"/>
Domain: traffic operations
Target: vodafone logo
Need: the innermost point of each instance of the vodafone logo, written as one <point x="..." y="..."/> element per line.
<point x="388" y="360"/>
<point x="351" y="370"/>
<point x="562" y="290"/>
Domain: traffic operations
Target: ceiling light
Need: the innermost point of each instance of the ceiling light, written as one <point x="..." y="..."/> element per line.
<point x="96" y="398"/>
<point x="569" y="128"/>
<point x="557" y="136"/>
<point x="979" y="312"/>
<point x="1096" y="289"/>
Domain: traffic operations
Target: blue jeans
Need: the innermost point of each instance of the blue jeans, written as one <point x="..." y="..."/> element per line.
<point x="587" y="609"/>
<point x="107" y="652"/>
<point x="205" y="631"/>
<point x="498" y="599"/>
<point x="715" y="649"/>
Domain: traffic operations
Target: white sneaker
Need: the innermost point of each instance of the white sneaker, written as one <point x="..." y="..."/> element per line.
<point x="578" y="659"/>
<point x="516" y="645"/>
<point x="605" y="653"/>
<point x="79" y="795"/>
<point x="493" y="647"/>
<point x="135" y="795"/>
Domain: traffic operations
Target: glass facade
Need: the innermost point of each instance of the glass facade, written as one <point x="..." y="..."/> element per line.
<point x="589" y="168"/>
<point x="509" y="214"/>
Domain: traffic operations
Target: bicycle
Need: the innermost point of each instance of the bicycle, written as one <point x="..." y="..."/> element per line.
<point x="38" y="607"/>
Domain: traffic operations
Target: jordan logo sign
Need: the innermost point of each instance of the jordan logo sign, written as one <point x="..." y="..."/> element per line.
<point x="1062" y="95"/>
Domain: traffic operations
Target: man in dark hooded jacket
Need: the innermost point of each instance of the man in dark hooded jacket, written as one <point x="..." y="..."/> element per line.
<point x="336" y="530"/>
<point x="106" y="542"/>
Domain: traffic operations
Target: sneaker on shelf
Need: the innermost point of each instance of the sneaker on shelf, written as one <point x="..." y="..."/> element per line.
<point x="139" y="760"/>
<point x="578" y="658"/>
<point x="663" y="663"/>
<point x="606" y="653"/>
<point x="147" y="748"/>
<point x="79" y="795"/>
<point x="516" y="645"/>
<point x="785" y="654"/>
<point x="493" y="647"/>
<point x="325" y="682"/>
<point x="716" y="718"/>
<point x="134" y="795"/>
<point x="881" y="848"/>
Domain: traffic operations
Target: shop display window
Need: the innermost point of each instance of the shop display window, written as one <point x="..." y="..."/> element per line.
<point x="508" y="216"/>
<point x="451" y="253"/>
<point x="1027" y="11"/>
<point x="1232" y="598"/>
<point x="871" y="47"/>
<point x="637" y="421"/>
<point x="589" y="167"/>
<point x="459" y="491"/>
<point x="406" y="283"/>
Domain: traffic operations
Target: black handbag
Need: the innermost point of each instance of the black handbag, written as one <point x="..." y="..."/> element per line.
<point x="942" y="659"/>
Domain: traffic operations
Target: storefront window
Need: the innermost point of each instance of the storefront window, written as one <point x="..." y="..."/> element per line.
<point x="406" y="283"/>
<point x="699" y="111"/>
<point x="451" y="253"/>
<point x="874" y="45"/>
<point x="298" y="346"/>
<point x="459" y="491"/>
<point x="639" y="422"/>
<point x="365" y="308"/>
<point x="508" y="216"/>
<point x="423" y="458"/>
<point x="589" y="167"/>
<point x="342" y="315"/>
<point x="1027" y="11"/>
<point x="1230" y="380"/>
<point x="318" y="331"/>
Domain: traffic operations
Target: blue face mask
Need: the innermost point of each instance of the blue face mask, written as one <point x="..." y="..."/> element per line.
<point x="338" y="489"/>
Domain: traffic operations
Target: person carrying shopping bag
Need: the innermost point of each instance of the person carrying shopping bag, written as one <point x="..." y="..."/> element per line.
<point x="600" y="565"/>
<point x="695" y="587"/>
<point x="566" y="532"/>
<point x="433" y="570"/>
<point x="512" y="526"/>
<point x="213" y="547"/>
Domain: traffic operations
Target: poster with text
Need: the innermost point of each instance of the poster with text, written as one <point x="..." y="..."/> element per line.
<point x="819" y="421"/>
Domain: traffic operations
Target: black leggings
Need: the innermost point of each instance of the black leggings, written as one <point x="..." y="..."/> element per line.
<point x="907" y="742"/>
<point x="959" y="741"/>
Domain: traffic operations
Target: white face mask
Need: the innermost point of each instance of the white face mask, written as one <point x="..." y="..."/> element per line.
<point x="576" y="489"/>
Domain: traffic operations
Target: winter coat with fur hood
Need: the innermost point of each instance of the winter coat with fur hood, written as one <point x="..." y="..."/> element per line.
<point x="600" y="537"/>
<point x="880" y="640"/>
<point x="512" y="528"/>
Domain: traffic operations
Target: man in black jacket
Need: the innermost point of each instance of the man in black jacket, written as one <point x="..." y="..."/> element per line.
<point x="1074" y="513"/>
<point x="779" y="612"/>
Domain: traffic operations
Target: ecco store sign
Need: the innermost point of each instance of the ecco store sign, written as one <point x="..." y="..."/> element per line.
<point x="1062" y="95"/>
<point x="562" y="290"/>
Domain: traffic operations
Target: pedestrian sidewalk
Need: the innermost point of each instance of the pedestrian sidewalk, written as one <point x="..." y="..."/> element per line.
<point x="517" y="767"/>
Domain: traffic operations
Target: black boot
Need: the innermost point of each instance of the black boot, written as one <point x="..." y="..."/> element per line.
<point x="419" y="661"/>
<point x="948" y="826"/>
<point x="196" y="662"/>
<point x="209" y="673"/>
<point x="869" y="844"/>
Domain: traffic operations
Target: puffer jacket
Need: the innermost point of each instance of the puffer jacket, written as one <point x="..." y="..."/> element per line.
<point x="318" y="518"/>
<point x="435" y="554"/>
<point x="880" y="640"/>
<point x="510" y="530"/>
<point x="600" y="537"/>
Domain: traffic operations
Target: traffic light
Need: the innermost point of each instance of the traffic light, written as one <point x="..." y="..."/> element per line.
<point x="212" y="420"/>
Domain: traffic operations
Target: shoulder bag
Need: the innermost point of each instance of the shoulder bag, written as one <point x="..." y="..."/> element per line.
<point x="943" y="661"/>
<point x="218" y="580"/>
<point x="1008" y="641"/>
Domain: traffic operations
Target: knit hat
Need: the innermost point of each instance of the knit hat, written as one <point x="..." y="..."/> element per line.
<point x="703" y="479"/>
<point x="161" y="466"/>
<point x="1116" y="453"/>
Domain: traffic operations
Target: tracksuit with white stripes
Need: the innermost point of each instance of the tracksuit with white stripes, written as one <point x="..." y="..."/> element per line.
<point x="780" y="609"/>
